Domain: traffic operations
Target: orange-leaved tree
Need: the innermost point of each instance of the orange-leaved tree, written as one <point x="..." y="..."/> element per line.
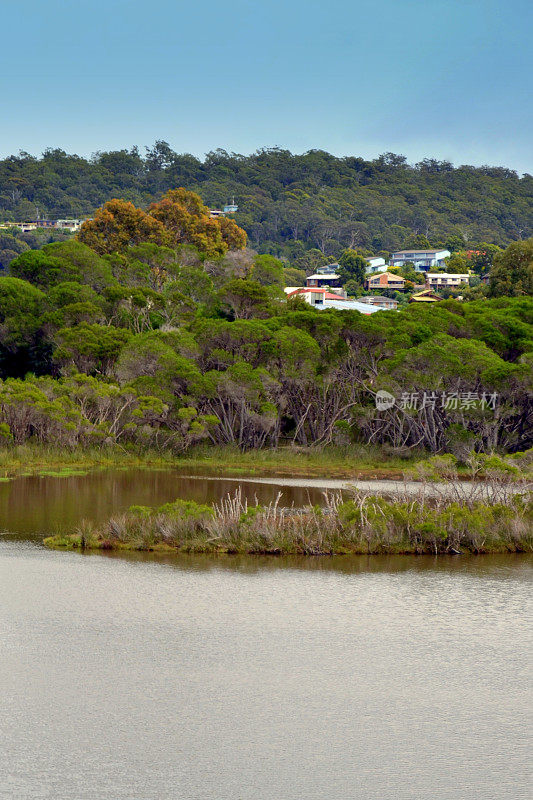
<point x="118" y="225"/>
<point x="179" y="217"/>
<point x="188" y="221"/>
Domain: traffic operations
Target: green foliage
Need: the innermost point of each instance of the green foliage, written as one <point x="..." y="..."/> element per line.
<point x="268" y="271"/>
<point x="165" y="347"/>
<point x="512" y="273"/>
<point x="352" y="267"/>
<point x="307" y="208"/>
<point x="62" y="261"/>
<point x="89" y="348"/>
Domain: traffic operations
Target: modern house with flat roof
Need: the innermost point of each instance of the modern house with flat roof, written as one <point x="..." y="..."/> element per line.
<point x="329" y="269"/>
<point x="422" y="259"/>
<point x="435" y="279"/>
<point x="327" y="279"/>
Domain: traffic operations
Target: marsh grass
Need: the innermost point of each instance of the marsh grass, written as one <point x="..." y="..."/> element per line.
<point x="499" y="522"/>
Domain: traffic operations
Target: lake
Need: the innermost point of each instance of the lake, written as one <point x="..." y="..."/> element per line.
<point x="141" y="677"/>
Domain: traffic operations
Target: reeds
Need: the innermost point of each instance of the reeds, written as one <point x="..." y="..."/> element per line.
<point x="491" y="520"/>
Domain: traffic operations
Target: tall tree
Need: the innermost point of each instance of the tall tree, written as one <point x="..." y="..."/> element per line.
<point x="512" y="273"/>
<point x="352" y="267"/>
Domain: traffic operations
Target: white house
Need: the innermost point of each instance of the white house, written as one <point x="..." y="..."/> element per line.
<point x="435" y="279"/>
<point x="313" y="295"/>
<point x="421" y="258"/>
<point x="69" y="224"/>
<point x="321" y="298"/>
<point x="375" y="264"/>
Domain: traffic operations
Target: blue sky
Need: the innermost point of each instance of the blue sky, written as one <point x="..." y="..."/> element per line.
<point x="436" y="78"/>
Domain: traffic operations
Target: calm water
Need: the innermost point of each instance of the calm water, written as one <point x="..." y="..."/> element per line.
<point x="146" y="678"/>
<point x="44" y="505"/>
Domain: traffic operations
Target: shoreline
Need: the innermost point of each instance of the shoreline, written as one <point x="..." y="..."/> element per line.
<point x="332" y="464"/>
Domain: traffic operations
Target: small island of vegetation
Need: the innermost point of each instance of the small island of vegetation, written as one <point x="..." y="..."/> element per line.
<point x="495" y="515"/>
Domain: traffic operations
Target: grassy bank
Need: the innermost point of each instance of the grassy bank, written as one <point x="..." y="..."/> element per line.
<point x="361" y="525"/>
<point x="333" y="462"/>
<point x="32" y="459"/>
<point x="351" y="462"/>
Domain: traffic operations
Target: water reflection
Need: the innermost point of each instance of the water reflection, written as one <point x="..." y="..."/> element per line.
<point x="44" y="505"/>
<point x="511" y="565"/>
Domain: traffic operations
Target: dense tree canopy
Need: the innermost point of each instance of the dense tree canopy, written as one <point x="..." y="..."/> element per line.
<point x="305" y="208"/>
<point x="165" y="344"/>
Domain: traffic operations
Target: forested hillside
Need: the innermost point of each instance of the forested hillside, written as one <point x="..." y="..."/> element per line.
<point x="160" y="328"/>
<point x="289" y="205"/>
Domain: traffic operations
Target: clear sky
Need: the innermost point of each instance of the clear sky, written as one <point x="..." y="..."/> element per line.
<point x="437" y="78"/>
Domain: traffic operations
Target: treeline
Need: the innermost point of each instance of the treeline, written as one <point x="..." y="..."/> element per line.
<point x="304" y="208"/>
<point x="164" y="345"/>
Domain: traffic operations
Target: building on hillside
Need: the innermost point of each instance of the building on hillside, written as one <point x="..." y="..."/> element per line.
<point x="329" y="269"/>
<point x="320" y="279"/>
<point x="383" y="302"/>
<point x="320" y="298"/>
<point x="69" y="224"/>
<point x="385" y="280"/>
<point x="231" y="208"/>
<point x="427" y="296"/>
<point x="374" y="264"/>
<point x="450" y="279"/>
<point x="34" y="224"/>
<point x="215" y="213"/>
<point x="313" y="295"/>
<point x="421" y="258"/>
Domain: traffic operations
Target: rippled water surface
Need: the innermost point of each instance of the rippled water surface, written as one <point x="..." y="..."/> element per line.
<point x="196" y="678"/>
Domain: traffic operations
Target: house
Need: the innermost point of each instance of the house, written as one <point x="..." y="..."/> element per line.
<point x="321" y="279"/>
<point x="427" y="296"/>
<point x="385" y="280"/>
<point x="329" y="269"/>
<point x="422" y="259"/>
<point x="231" y="208"/>
<point x="313" y="295"/>
<point x="33" y="225"/>
<point x="69" y="224"/>
<point x="320" y="298"/>
<point x="435" y="279"/>
<point x="381" y="302"/>
<point x="375" y="264"/>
